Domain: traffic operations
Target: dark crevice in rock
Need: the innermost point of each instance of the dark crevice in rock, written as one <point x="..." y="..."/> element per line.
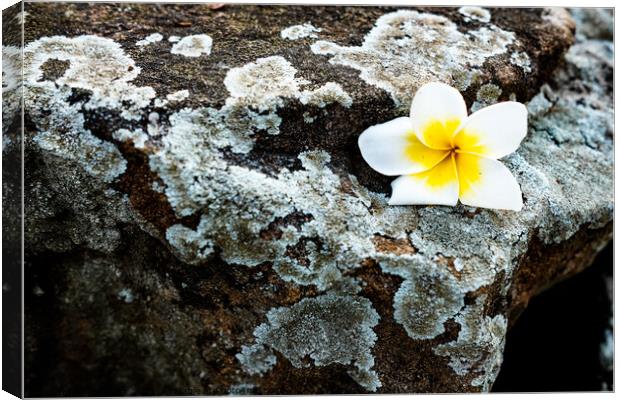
<point x="42" y="312"/>
<point x="299" y="251"/>
<point x="555" y="344"/>
<point x="545" y="264"/>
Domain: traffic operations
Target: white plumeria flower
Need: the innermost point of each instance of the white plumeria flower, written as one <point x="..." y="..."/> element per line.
<point x="445" y="156"/>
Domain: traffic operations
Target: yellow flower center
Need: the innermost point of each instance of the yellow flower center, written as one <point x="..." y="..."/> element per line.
<point x="449" y="154"/>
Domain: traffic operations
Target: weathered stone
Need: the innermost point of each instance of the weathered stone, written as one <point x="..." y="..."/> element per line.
<point x="200" y="220"/>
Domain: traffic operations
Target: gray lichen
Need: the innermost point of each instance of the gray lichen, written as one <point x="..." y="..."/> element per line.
<point x="95" y="64"/>
<point x="406" y="49"/>
<point x="302" y="31"/>
<point x="256" y="359"/>
<point x="193" y="45"/>
<point x="594" y="23"/>
<point x="327" y="329"/>
<point x="487" y="95"/>
<point x="479" y="346"/>
<point x="152" y="38"/>
<point x="521" y="59"/>
<point x="475" y="14"/>
<point x="411" y="304"/>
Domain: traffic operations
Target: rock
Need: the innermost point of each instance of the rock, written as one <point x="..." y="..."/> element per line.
<point x="201" y="221"/>
<point x="594" y="23"/>
<point x="535" y="356"/>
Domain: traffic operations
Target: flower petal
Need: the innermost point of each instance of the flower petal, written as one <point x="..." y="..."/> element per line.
<point x="487" y="183"/>
<point x="437" y="110"/>
<point x="392" y="148"/>
<point x="438" y="185"/>
<point x="494" y="131"/>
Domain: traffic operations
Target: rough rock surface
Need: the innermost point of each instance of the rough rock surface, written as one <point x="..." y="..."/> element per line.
<point x="199" y="219"/>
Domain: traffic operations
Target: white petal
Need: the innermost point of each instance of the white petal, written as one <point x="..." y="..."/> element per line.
<point x="437" y="110"/>
<point x="438" y="185"/>
<point x="392" y="148"/>
<point x="494" y="131"/>
<point x="487" y="183"/>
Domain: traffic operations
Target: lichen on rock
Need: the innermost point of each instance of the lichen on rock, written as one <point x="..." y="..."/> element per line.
<point x="152" y="38"/>
<point x="193" y="45"/>
<point x="487" y="95"/>
<point x="263" y="84"/>
<point x="479" y="345"/>
<point x="329" y="93"/>
<point x="407" y="48"/>
<point x="326" y="329"/>
<point x="284" y="262"/>
<point x="475" y="14"/>
<point x="296" y="32"/>
<point x="522" y="60"/>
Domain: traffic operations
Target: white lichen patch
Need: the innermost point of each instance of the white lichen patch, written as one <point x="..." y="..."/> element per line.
<point x="410" y="303"/>
<point x="328" y="329"/>
<point x="263" y="84"/>
<point x="302" y="31"/>
<point x="193" y="46"/>
<point x="479" y="347"/>
<point x="257" y="90"/>
<point x="97" y="65"/>
<point x="256" y="359"/>
<point x="11" y="68"/>
<point x="160" y="103"/>
<point x="95" y="62"/>
<point x="521" y="59"/>
<point x="308" y="118"/>
<point x="62" y="134"/>
<point x="472" y="13"/>
<point x="174" y="39"/>
<point x="137" y="136"/>
<point x="152" y="38"/>
<point x="179" y="95"/>
<point x="406" y="49"/>
<point x="329" y="93"/>
<point x="267" y="82"/>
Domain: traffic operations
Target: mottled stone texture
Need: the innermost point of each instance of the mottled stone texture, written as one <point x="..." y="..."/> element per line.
<point x="201" y="221"/>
